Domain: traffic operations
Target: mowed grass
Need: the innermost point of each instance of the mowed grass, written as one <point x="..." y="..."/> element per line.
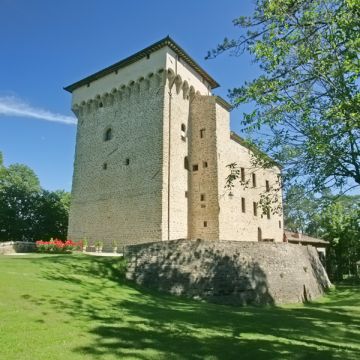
<point x="79" y="307"/>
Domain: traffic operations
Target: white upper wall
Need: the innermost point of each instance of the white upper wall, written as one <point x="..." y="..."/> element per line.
<point x="186" y="72"/>
<point x="164" y="58"/>
<point x="124" y="76"/>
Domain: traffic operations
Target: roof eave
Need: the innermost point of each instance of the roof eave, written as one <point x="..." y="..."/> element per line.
<point x="167" y="41"/>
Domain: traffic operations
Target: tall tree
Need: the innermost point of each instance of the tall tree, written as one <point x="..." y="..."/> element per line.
<point x="27" y="212"/>
<point x="307" y="98"/>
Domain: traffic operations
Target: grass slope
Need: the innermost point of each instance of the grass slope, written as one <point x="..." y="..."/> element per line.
<point x="79" y="307"/>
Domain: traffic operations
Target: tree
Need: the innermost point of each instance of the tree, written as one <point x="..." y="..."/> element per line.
<point x="19" y="188"/>
<point x="27" y="212"/>
<point x="307" y="99"/>
<point x="333" y="218"/>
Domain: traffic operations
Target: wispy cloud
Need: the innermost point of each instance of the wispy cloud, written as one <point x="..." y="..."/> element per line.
<point x="13" y="106"/>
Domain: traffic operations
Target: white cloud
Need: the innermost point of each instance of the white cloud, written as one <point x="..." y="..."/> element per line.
<point x="13" y="106"/>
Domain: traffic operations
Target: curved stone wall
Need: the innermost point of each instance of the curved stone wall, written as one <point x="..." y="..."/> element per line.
<point x="229" y="272"/>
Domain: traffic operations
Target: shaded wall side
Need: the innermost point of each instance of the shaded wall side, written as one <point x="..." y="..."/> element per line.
<point x="229" y="272"/>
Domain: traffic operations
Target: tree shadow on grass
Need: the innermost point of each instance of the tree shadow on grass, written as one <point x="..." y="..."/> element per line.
<point x="130" y="322"/>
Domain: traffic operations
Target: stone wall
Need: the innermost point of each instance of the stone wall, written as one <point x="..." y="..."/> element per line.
<point x="12" y="247"/>
<point x="229" y="272"/>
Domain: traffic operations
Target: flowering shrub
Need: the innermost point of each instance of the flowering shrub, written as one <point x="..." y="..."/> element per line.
<point x="57" y="246"/>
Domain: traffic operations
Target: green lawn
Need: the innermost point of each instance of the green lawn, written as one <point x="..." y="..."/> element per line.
<point x="79" y="307"/>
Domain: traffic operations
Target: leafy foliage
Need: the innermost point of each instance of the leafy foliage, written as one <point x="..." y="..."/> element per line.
<point x="333" y="218"/>
<point x="307" y="100"/>
<point x="28" y="212"/>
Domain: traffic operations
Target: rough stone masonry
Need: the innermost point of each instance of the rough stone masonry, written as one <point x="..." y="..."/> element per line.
<point x="229" y="272"/>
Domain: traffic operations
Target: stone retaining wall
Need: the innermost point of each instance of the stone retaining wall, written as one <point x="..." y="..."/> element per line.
<point x="229" y="272"/>
<point x="12" y="247"/>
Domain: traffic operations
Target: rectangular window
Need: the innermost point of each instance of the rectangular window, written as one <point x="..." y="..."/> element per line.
<point x="195" y="167"/>
<point x="254" y="180"/>
<point x="205" y="223"/>
<point x="202" y="197"/>
<point x="279" y="224"/>
<point x="205" y="164"/>
<point x="242" y="174"/>
<point x="243" y="209"/>
<point x="267" y="185"/>
<point x="255" y="205"/>
<point x="268" y="213"/>
<point x="202" y="133"/>
<point x="127" y="161"/>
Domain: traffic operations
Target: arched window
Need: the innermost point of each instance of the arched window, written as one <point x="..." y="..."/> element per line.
<point x="108" y="134"/>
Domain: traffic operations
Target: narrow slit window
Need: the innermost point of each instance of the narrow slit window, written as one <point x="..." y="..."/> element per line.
<point x="205" y="164"/>
<point x="279" y="224"/>
<point x="108" y="134"/>
<point x="127" y="161"/>
<point x="242" y="174"/>
<point x="243" y="205"/>
<point x="205" y="224"/>
<point x="186" y="163"/>
<point x="202" y="197"/>
<point x="254" y="180"/>
<point x="255" y="206"/>
<point x="267" y="184"/>
<point x="202" y="133"/>
<point x="104" y="166"/>
<point x="268" y="213"/>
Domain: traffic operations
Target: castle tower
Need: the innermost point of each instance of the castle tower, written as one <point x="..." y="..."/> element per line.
<point x="151" y="154"/>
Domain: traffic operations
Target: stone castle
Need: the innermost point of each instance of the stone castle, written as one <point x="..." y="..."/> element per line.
<point x="152" y="149"/>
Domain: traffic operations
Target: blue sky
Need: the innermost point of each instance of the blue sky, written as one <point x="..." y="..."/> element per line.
<point x="48" y="44"/>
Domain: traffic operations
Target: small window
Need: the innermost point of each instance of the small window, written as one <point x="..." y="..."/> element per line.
<point x="259" y="234"/>
<point x="104" y="166"/>
<point x="101" y="104"/>
<point x="205" y="223"/>
<point x="195" y="167"/>
<point x="242" y="174"/>
<point x="127" y="161"/>
<point x="148" y="56"/>
<point x="186" y="194"/>
<point x="267" y="185"/>
<point x="279" y="224"/>
<point x="268" y="213"/>
<point x="186" y="163"/>
<point x="202" y="133"/>
<point x="108" y="135"/>
<point x="202" y="197"/>
<point x="255" y="206"/>
<point x="205" y="164"/>
<point x="243" y="208"/>
<point x="254" y="180"/>
<point x="183" y="127"/>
